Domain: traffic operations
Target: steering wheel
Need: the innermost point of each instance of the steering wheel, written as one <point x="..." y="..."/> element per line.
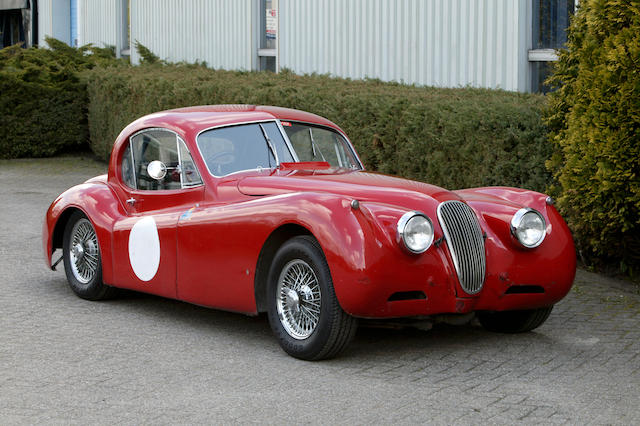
<point x="214" y="157"/>
<point x="215" y="161"/>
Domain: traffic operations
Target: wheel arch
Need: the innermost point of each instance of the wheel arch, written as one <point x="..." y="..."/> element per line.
<point x="271" y="245"/>
<point x="61" y="223"/>
<point x="99" y="204"/>
<point x="351" y="240"/>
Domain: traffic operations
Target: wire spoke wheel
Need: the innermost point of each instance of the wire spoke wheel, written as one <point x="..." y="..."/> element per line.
<point x="82" y="259"/>
<point x="303" y="309"/>
<point x="83" y="251"/>
<point x="298" y="299"/>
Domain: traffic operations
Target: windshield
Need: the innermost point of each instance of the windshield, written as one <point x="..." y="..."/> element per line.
<point x="312" y="143"/>
<point x="243" y="147"/>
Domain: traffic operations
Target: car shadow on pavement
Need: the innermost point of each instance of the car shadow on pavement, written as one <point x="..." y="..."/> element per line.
<point x="373" y="340"/>
<point x="442" y="338"/>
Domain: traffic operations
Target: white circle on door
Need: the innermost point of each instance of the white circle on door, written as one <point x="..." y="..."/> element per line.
<point x="144" y="248"/>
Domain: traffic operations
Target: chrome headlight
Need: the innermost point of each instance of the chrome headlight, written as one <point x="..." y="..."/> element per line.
<point x="415" y="230"/>
<point x="529" y="227"/>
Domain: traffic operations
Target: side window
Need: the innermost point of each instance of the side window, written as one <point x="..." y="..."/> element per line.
<point x="155" y="145"/>
<point x="128" y="176"/>
<point x="158" y="145"/>
<point x="190" y="175"/>
<point x="232" y="149"/>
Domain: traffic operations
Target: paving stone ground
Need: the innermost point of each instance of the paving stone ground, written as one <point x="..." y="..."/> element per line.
<point x="143" y="359"/>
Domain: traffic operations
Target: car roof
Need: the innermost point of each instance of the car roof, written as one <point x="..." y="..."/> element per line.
<point x="198" y="118"/>
<point x="190" y="121"/>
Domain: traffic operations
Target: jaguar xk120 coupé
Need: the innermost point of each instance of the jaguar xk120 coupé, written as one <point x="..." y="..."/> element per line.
<point x="265" y="209"/>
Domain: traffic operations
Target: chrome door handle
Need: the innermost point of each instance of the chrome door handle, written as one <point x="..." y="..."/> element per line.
<point x="131" y="201"/>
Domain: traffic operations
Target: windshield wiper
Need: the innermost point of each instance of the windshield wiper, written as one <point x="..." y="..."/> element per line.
<point x="314" y="146"/>
<point x="270" y="146"/>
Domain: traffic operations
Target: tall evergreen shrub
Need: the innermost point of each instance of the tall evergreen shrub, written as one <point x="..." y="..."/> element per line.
<point x="43" y="102"/>
<point x="594" y="120"/>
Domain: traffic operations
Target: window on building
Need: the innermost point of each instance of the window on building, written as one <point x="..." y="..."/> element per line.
<point x="12" y="23"/>
<point x="125" y="27"/>
<point x="268" y="43"/>
<point x="550" y="23"/>
<point x="74" y="23"/>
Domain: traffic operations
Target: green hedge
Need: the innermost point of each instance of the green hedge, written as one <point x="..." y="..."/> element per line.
<point x="38" y="120"/>
<point x="43" y="102"/>
<point x="594" y="120"/>
<point x="450" y="137"/>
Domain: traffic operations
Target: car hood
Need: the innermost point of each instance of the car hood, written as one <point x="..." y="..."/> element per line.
<point x="363" y="186"/>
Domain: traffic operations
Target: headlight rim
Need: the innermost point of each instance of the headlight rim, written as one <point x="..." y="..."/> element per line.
<point x="400" y="229"/>
<point x="516" y="221"/>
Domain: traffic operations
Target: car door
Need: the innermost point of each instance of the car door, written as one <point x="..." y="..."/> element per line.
<point x="144" y="240"/>
<point x="218" y="249"/>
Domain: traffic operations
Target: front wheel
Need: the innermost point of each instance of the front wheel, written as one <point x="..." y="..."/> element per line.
<point x="304" y="312"/>
<point x="514" y="321"/>
<point x="82" y="260"/>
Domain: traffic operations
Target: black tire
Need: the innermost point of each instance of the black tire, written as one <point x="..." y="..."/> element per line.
<point x="84" y="277"/>
<point x="334" y="328"/>
<point x="514" y="321"/>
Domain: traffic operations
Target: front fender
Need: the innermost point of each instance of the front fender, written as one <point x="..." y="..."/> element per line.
<point x="389" y="272"/>
<point x="392" y="281"/>
<point x="552" y="265"/>
<point x="367" y="265"/>
<point x="231" y="238"/>
<point x="101" y="206"/>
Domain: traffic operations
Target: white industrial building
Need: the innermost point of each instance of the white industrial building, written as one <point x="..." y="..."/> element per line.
<point x="449" y="43"/>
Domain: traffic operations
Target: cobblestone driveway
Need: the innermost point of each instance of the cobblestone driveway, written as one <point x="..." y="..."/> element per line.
<point x="143" y="359"/>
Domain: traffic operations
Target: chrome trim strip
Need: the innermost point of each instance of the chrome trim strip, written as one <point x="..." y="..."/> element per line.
<point x="293" y="152"/>
<point x="179" y="160"/>
<point x="148" y="129"/>
<point x="133" y="166"/>
<point x="270" y="147"/>
<point x="239" y="123"/>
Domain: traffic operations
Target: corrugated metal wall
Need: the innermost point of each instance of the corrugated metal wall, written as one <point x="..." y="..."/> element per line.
<point x="219" y="32"/>
<point x="45" y="18"/>
<point x="448" y="43"/>
<point x="98" y="23"/>
<point x="54" y="20"/>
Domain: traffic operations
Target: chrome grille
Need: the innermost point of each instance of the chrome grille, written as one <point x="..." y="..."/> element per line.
<point x="466" y="243"/>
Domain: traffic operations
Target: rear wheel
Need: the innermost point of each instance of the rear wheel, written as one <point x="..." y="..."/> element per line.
<point x="304" y="312"/>
<point x="514" y="321"/>
<point x="82" y="260"/>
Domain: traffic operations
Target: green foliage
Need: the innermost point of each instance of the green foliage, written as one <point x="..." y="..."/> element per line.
<point x="43" y="102"/>
<point x="451" y="137"/>
<point x="147" y="57"/>
<point x="594" y="121"/>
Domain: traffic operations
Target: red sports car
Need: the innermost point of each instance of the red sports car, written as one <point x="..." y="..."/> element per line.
<point x="265" y="209"/>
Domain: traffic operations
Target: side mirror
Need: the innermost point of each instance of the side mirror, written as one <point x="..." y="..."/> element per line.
<point x="157" y="170"/>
